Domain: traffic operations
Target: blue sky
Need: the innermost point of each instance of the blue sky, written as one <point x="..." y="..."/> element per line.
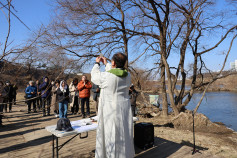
<point x="36" y="12"/>
<point x="32" y="12"/>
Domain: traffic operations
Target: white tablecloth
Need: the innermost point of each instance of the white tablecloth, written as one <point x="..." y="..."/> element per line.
<point x="79" y="126"/>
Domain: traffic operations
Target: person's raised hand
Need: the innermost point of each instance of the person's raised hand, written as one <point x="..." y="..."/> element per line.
<point x="104" y="60"/>
<point x="98" y="59"/>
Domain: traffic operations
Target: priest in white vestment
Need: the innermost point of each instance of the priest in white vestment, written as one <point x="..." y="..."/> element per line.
<point x="114" y="137"/>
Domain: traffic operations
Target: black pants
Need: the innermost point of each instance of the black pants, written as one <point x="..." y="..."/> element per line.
<point x="14" y="99"/>
<point x="8" y="101"/>
<point x="133" y="110"/>
<point x="75" y="107"/>
<point x="1" y="110"/>
<point x="44" y="102"/>
<point x="39" y="102"/>
<point x="29" y="102"/>
<point x="83" y="100"/>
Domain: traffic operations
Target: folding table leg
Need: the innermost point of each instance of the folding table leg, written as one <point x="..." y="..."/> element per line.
<point x="53" y="145"/>
<point x="57" y="146"/>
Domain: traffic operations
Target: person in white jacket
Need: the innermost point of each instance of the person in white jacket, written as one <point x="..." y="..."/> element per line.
<point x="115" y="126"/>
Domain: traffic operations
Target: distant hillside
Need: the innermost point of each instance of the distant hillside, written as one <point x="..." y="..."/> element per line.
<point x="21" y="75"/>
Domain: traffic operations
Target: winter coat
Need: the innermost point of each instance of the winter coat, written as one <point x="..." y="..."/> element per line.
<point x="29" y="91"/>
<point x="73" y="92"/>
<point x="54" y="98"/>
<point x="3" y="94"/>
<point x="62" y="96"/>
<point x="95" y="94"/>
<point x="15" y="88"/>
<point x="45" y="89"/>
<point x="133" y="96"/>
<point x="84" y="90"/>
<point x="37" y="86"/>
<point x="9" y="91"/>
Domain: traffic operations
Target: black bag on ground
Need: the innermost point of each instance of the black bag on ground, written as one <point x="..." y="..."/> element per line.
<point x="144" y="135"/>
<point x="64" y="124"/>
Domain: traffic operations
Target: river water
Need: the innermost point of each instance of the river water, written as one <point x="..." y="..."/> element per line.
<point x="218" y="107"/>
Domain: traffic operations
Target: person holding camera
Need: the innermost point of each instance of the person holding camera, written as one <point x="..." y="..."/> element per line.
<point x="115" y="121"/>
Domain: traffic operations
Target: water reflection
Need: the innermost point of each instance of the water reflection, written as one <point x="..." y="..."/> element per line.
<point x="218" y="107"/>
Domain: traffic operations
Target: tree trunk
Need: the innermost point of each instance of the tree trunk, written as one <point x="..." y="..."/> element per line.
<point x="163" y="92"/>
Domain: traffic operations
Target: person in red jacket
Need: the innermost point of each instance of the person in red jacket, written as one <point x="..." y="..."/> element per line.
<point x="84" y="87"/>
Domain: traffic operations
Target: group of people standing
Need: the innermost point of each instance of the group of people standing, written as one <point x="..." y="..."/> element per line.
<point x="114" y="137"/>
<point x="59" y="95"/>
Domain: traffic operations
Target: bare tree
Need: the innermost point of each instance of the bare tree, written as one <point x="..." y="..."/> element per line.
<point x="83" y="29"/>
<point x="180" y="27"/>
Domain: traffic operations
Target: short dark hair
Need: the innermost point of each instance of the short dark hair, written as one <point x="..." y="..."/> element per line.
<point x="119" y="60"/>
<point x="75" y="81"/>
<point x="57" y="81"/>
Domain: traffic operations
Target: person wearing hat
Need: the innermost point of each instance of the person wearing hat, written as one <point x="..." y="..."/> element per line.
<point x="9" y="97"/>
<point x="31" y="92"/>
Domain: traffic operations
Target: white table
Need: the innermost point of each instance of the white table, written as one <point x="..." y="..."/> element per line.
<point x="78" y="126"/>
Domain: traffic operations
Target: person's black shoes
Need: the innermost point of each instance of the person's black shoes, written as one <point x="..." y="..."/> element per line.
<point x="83" y="116"/>
<point x="1" y="125"/>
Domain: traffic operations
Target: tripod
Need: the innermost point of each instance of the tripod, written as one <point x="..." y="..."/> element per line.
<point x="194" y="146"/>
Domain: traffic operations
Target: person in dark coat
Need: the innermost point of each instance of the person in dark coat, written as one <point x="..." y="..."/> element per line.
<point x="31" y="92"/>
<point x="9" y="97"/>
<point x="38" y="99"/>
<point x="14" y="93"/>
<point x="96" y="94"/>
<point x="63" y="99"/>
<point x="45" y="90"/>
<point x="2" y="95"/>
<point x="133" y="98"/>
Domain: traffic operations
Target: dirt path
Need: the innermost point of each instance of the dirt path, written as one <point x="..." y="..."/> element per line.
<point x="24" y="136"/>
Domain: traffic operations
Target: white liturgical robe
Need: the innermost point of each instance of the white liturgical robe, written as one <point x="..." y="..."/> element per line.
<point x="114" y="137"/>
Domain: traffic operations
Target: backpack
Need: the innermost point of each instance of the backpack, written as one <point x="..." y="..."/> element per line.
<point x="64" y="124"/>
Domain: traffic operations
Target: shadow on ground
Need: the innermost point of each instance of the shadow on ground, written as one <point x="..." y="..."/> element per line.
<point x="163" y="148"/>
<point x="35" y="142"/>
